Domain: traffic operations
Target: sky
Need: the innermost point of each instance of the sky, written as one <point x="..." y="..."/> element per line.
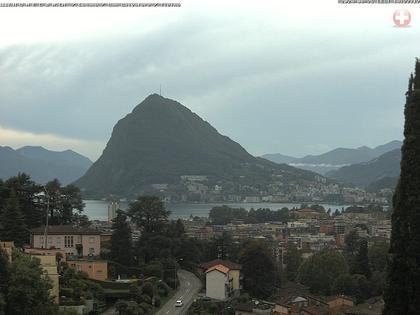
<point x="294" y="77"/>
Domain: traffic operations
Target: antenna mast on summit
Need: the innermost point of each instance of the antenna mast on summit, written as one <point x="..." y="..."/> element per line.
<point x="160" y="89"/>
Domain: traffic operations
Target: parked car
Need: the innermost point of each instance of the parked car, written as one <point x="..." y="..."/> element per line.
<point x="179" y="303"/>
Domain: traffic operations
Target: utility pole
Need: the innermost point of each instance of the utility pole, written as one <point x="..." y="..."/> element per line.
<point x="46" y="223"/>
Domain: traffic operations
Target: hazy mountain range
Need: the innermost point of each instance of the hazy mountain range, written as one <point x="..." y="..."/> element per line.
<point x="381" y="172"/>
<point x="43" y="165"/>
<point x="334" y="159"/>
<point x="161" y="140"/>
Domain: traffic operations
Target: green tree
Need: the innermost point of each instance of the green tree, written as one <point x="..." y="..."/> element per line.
<point x="402" y="294"/>
<point x="356" y="286"/>
<point x="65" y="203"/>
<point x="362" y="288"/>
<point x="378" y="254"/>
<point x="344" y="284"/>
<point x="121" y="244"/>
<point x="352" y="243"/>
<point x="320" y="271"/>
<point x="71" y="205"/>
<point x="361" y="261"/>
<point x="4" y="280"/>
<point x="13" y="226"/>
<point x="27" y="192"/>
<point x="28" y="287"/>
<point x="175" y="229"/>
<point x="149" y="213"/>
<point x="129" y="308"/>
<point x="293" y="260"/>
<point x="258" y="268"/>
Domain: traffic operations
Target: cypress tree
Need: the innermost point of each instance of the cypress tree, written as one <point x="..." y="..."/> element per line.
<point x="13" y="227"/>
<point x="121" y="244"/>
<point x="402" y="293"/>
<point x="361" y="262"/>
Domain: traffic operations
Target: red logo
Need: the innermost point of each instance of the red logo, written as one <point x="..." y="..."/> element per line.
<point x="402" y="18"/>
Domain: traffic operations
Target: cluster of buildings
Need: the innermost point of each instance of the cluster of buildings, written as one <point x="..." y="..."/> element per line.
<point x="203" y="189"/>
<point x="223" y="281"/>
<point x="79" y="247"/>
<point x="309" y="231"/>
<point x="295" y="299"/>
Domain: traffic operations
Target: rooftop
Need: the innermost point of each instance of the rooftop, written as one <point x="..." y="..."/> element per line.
<point x="221" y="268"/>
<point x="226" y="263"/>
<point x="65" y="229"/>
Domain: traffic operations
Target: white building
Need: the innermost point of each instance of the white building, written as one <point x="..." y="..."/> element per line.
<point x="219" y="282"/>
<point x="112" y="210"/>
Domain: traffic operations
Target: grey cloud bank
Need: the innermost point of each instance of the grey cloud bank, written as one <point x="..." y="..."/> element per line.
<point x="267" y="84"/>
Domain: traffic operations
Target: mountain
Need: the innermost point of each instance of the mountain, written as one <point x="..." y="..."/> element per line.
<point x="43" y="165"/>
<point x="161" y="140"/>
<point x="337" y="158"/>
<point x="67" y="157"/>
<point x="279" y="158"/>
<point x="363" y="174"/>
<point x="384" y="182"/>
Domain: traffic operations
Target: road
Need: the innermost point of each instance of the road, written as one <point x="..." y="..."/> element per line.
<point x="189" y="286"/>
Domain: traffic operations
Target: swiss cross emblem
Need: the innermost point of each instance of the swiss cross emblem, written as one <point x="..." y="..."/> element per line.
<point x="402" y="18"/>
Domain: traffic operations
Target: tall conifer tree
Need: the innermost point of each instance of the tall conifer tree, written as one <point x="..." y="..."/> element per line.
<point x="13" y="227"/>
<point x="402" y="294"/>
<point x="121" y="243"/>
<point x="361" y="261"/>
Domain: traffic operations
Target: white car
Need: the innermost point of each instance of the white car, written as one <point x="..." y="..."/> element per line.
<point x="179" y="303"/>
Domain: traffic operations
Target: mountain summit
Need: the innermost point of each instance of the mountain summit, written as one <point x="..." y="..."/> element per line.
<point x="161" y="140"/>
<point x="43" y="165"/>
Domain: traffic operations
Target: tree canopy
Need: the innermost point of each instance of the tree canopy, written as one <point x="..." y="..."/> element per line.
<point x="402" y="295"/>
<point x="13" y="227"/>
<point x="121" y="244"/>
<point x="320" y="271"/>
<point x="259" y="270"/>
<point x="26" y="290"/>
<point x="149" y="213"/>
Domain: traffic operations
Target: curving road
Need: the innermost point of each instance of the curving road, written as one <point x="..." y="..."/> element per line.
<point x="189" y="286"/>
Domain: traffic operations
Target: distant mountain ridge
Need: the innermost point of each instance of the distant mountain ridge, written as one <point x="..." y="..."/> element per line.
<point x="379" y="172"/>
<point x="161" y="140"/>
<point x="335" y="159"/>
<point x="43" y="165"/>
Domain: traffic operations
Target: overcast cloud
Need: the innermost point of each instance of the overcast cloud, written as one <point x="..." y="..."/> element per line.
<point x="296" y="78"/>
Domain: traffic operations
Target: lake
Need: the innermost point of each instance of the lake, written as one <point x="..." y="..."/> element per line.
<point x="98" y="209"/>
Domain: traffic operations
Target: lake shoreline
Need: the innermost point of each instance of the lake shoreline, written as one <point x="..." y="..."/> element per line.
<point x="98" y="209"/>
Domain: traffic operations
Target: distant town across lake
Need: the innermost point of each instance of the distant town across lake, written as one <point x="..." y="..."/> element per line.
<point x="98" y="209"/>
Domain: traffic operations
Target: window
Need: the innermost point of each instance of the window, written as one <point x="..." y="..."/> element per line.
<point x="68" y="241"/>
<point x="91" y="239"/>
<point x="91" y="251"/>
<point x="58" y="240"/>
<point x="49" y="240"/>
